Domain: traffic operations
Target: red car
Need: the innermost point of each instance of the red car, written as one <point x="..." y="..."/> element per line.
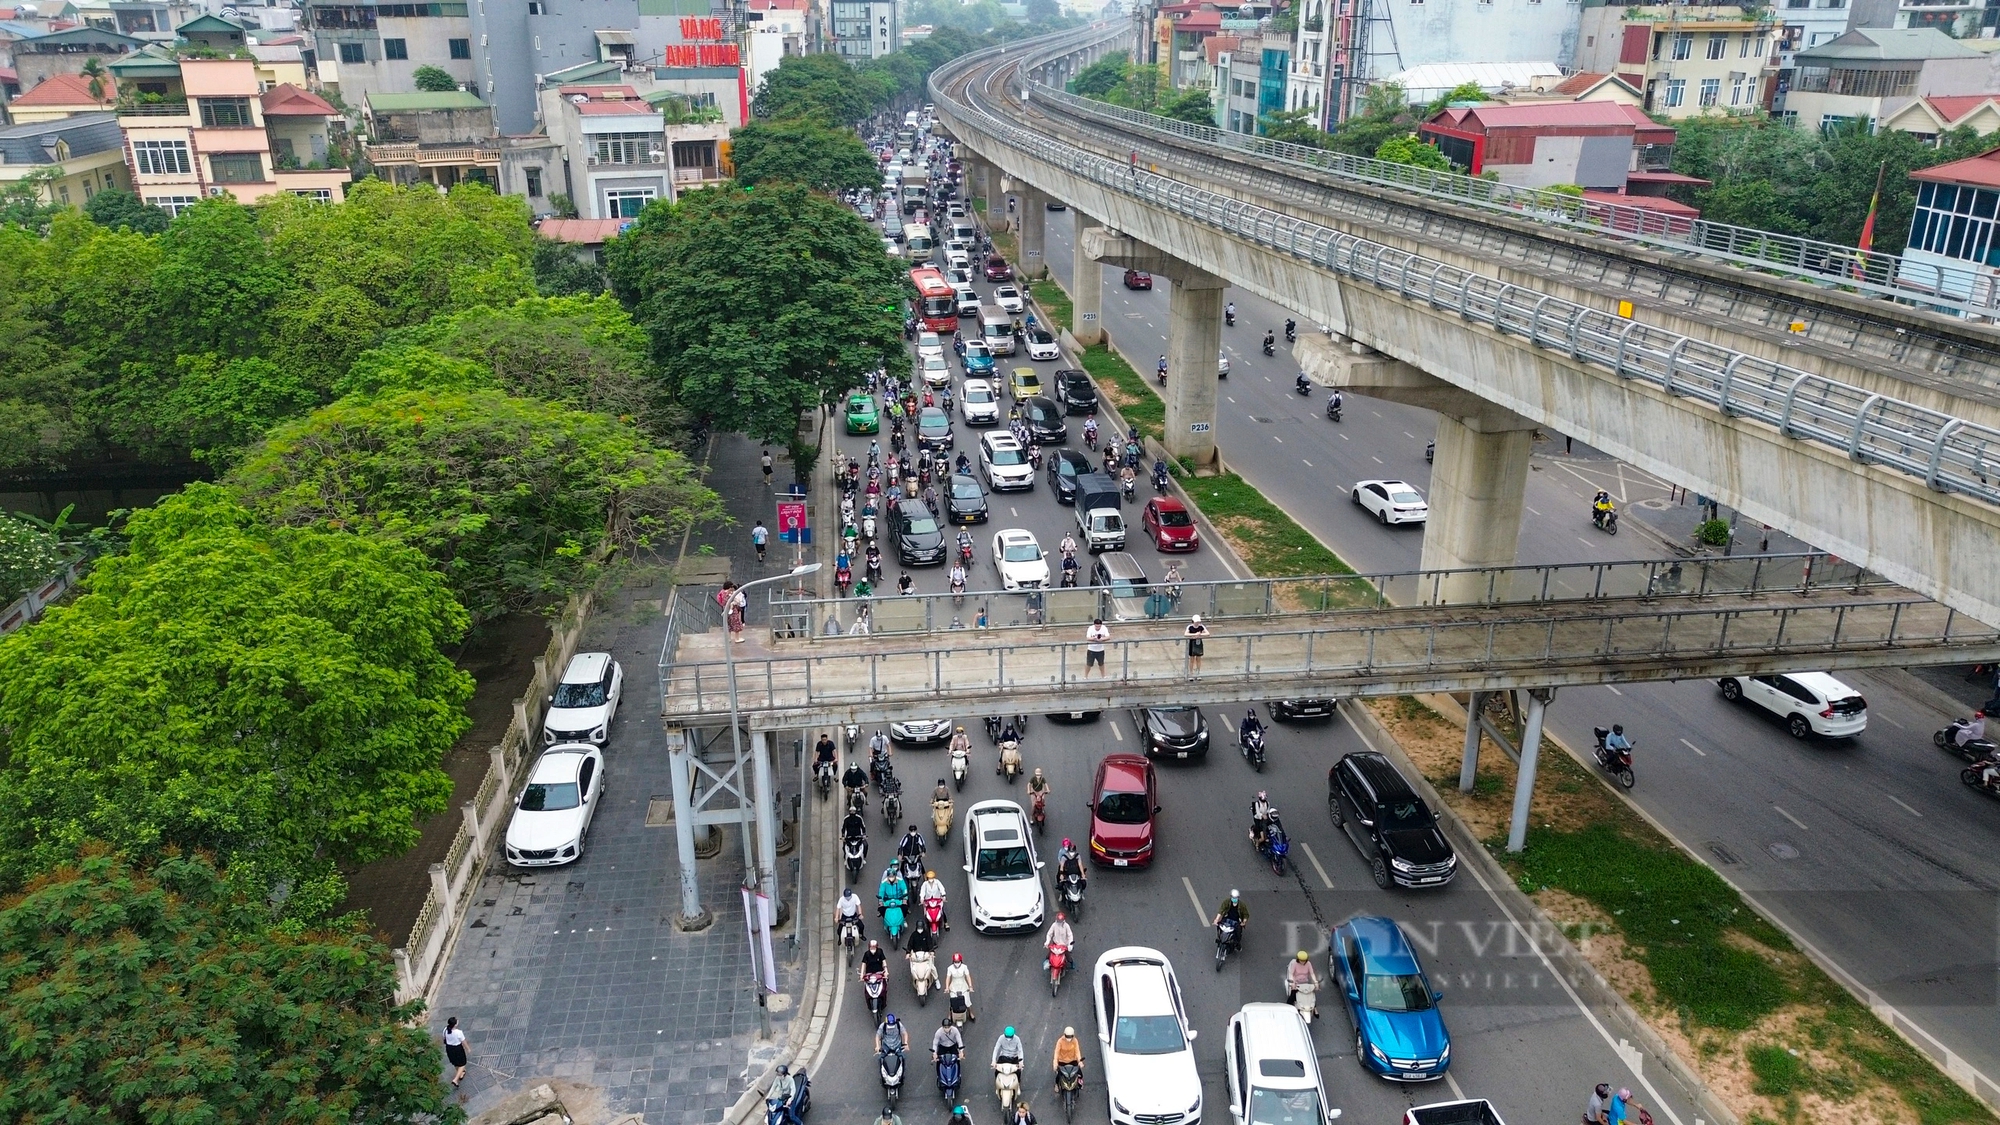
<point x="1138" y="279"/>
<point x="997" y="269"/>
<point x="1127" y="797"/>
<point x="1169" y="526"/>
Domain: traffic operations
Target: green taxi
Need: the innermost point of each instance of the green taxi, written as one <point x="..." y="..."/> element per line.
<point x="862" y="416"/>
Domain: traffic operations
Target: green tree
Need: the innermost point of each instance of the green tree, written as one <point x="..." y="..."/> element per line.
<point x="217" y="283"/>
<point x="170" y="994"/>
<point x="1384" y="113"/>
<point x="1141" y="88"/>
<point x="220" y="404"/>
<point x="433" y="79"/>
<point x="41" y="382"/>
<point x="518" y="502"/>
<point x="31" y="201"/>
<point x="28" y="554"/>
<point x="1192" y="106"/>
<point x="1463" y="92"/>
<point x="279" y="696"/>
<point x="820" y="87"/>
<point x="96" y="74"/>
<point x="1410" y="150"/>
<point x="560" y="273"/>
<point x="761" y="305"/>
<point x="1098" y="79"/>
<point x="801" y="152"/>
<point x="123" y="209"/>
<point x="1293" y="126"/>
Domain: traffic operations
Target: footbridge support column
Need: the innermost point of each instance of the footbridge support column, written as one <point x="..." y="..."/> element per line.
<point x="1524" y="781"/>
<point x="1480" y="468"/>
<point x="1034" y="207"/>
<point x="1194" y="337"/>
<point x="1086" y="288"/>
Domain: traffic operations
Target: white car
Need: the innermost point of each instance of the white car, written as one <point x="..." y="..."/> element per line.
<point x="978" y="405"/>
<point x="1009" y="298"/>
<point x="928" y="345"/>
<point x="1222" y="364"/>
<point x="1042" y="345"/>
<point x="1005" y="463"/>
<point x="956" y="210"/>
<point x="890" y="247"/>
<point x="1809" y="702"/>
<point x="967" y="299"/>
<point x="554" y="810"/>
<point x="957" y="258"/>
<point x="960" y="279"/>
<point x="1272" y="1068"/>
<point x="1144" y="1038"/>
<point x="585" y="700"/>
<point x="937" y="373"/>
<point x="1020" y="560"/>
<point x="1003" y="876"/>
<point x="1392" y="501"/>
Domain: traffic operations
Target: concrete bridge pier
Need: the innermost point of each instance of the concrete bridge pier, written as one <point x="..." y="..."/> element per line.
<point x="1194" y="337"/>
<point x="1087" y="288"/>
<point x="1034" y="209"/>
<point x="1480" y="470"/>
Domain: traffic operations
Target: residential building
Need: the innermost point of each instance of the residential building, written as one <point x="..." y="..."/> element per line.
<point x="1960" y="19"/>
<point x="584" y="237"/>
<point x="619" y="153"/>
<point x="61" y="96"/>
<point x="196" y="127"/>
<point x="1686" y="60"/>
<point x="1307" y="82"/>
<point x="1583" y="86"/>
<point x="87" y="148"/>
<point x="1252" y="80"/>
<point x="774" y="30"/>
<point x="364" y="48"/>
<point x="448" y="138"/>
<point x="1872" y="73"/>
<point x="1374" y="39"/>
<point x="866" y="29"/>
<point x="1929" y="117"/>
<point x="1952" y="248"/>
<point x="154" y="21"/>
<point x="67" y="52"/>
<point x="1595" y="145"/>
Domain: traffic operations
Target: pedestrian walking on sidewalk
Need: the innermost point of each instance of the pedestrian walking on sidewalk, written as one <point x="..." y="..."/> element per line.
<point x="766" y="459"/>
<point x="759" y="536"/>
<point x="454" y="1049"/>
<point x="1093" y="653"/>
<point x="1196" y="631"/>
<point x="733" y="604"/>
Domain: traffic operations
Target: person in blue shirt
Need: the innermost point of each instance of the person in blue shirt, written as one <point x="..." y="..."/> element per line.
<point x="1616" y="740"/>
<point x="1621" y="1107"/>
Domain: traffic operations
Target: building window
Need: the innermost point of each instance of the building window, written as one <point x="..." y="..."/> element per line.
<point x="1718" y="42"/>
<point x="1738" y="92"/>
<point x="318" y="195"/>
<point x="1955" y="221"/>
<point x="398" y="49"/>
<point x="1676" y="92"/>
<point x="536" y="8"/>
<point x="534" y="182"/>
<point x="237" y="167"/>
<point x="173" y="204"/>
<point x="1711" y="91"/>
<point x="461" y="48"/>
<point x="226" y="113"/>
<point x="622" y="148"/>
<point x="1683" y="45"/>
<point x="628" y="202"/>
<point x="352" y="53"/>
<point x="161" y="158"/>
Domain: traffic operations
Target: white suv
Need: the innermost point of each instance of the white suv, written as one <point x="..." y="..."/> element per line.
<point x="585" y="701"/>
<point x="1272" y="1068"/>
<point x="1005" y="463"/>
<point x="1809" y="702"/>
<point x="1143" y="1034"/>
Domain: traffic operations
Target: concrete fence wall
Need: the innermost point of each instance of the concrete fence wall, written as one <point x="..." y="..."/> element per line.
<point x="420" y="964"/>
<point x="31" y="604"/>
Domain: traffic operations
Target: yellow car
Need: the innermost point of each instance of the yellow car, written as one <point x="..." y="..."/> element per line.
<point x="1026" y="381"/>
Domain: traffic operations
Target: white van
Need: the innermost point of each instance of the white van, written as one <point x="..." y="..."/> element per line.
<point x="996" y="327"/>
<point x="1273" y="1072"/>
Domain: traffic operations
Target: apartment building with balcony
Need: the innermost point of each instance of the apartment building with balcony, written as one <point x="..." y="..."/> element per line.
<point x="866" y="29"/>
<point x="451" y="137"/>
<point x="1686" y="60"/>
<point x="1871" y="74"/>
<point x="196" y="127"/>
<point x="41" y="57"/>
<point x="86" y="148"/>
<point x="620" y="152"/>
<point x="364" y="48"/>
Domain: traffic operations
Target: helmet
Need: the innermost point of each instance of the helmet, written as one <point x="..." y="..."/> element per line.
<point x="1617" y="728"/>
<point x="956" y="1111"/>
<point x="1009" y="1033"/>
<point x="1069" y="1033"/>
<point x="946" y="1023"/>
<point x="961" y="730"/>
<point x="873" y="944"/>
<point x="1234" y="894"/>
<point x="1272" y="809"/>
<point x="1304" y="956"/>
<point x="783" y="1069"/>
<point x="889" y="1020"/>
<point x="1066" y="842"/>
<point x="930" y="874"/>
<point x="958" y="958"/>
<point x="1061" y="917"/>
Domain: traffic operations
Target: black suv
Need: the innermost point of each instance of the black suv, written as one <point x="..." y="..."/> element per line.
<point x="1394" y="829"/>
<point x="1065" y="465"/>
<point x="1044" y="419"/>
<point x="1075" y="391"/>
<point x="965" y="501"/>
<point x="1172" y="732"/>
<point x="919" y="540"/>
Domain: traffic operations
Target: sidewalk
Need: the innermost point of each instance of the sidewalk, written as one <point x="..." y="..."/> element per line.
<point x="579" y="972"/>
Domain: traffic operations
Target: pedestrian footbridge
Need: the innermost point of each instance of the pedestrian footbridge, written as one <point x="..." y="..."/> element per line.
<point x="820" y="662"/>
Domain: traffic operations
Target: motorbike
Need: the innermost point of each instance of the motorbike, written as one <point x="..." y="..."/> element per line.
<point x="778" y="1112"/>
<point x="1090" y="440"/>
<point x="1010" y="760"/>
<point x="850" y="937"/>
<point x="892" y="800"/>
<point x="874" y="572"/>
<point x="913" y="868"/>
<point x="1605" y="521"/>
<point x="1130" y="483"/>
<point x="1276" y="847"/>
<point x="1252" y="748"/>
<point x="1617" y="763"/>
<point x="868" y="527"/>
<point x="1035" y="457"/>
<point x="1039" y="814"/>
<point x="880" y="769"/>
<point x="923" y="975"/>
<point x="934" y="913"/>
<point x="961" y="1006"/>
<point x="852" y="732"/>
<point x="857" y="799"/>
<point x="1069" y="578"/>
<point x="1006" y="1084"/>
<point x="1160" y="481"/>
<point x="1069" y="1083"/>
<point x="965" y="555"/>
<point x="1072" y="895"/>
<point x="1163" y="376"/>
<point x="1333" y="410"/>
<point x="1304" y="997"/>
<point x="993" y="729"/>
<point x="856" y="852"/>
<point x="824" y="779"/>
<point x="1228" y="936"/>
<point x="948" y="1072"/>
<point x="959" y="761"/>
<point x="941" y="817"/>
<point x="892" y="918"/>
<point x="1303" y="385"/>
<point x="843" y="579"/>
<point x="1975" y="750"/>
<point x="1229" y="318"/>
<point x="1430" y="452"/>
<point x="1970" y="776"/>
<point x="1269" y="347"/>
<point x="1058" y="965"/>
<point x="875" y="985"/>
<point x="1291" y="332"/>
<point x="891" y="1065"/>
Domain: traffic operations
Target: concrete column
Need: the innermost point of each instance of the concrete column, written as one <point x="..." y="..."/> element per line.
<point x="1524" y="782"/>
<point x="766" y="798"/>
<point x="1086" y="288"/>
<point x="1034" y="209"/>
<point x="1468" y="772"/>
<point x="1194" y="339"/>
<point x="692" y="916"/>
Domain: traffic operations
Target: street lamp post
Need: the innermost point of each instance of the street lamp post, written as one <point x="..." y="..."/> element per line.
<point x="766" y="867"/>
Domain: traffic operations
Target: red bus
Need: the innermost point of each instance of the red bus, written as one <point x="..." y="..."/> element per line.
<point x="937" y="303"/>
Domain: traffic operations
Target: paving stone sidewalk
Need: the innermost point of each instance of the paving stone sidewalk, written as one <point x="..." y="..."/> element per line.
<point x="579" y="972"/>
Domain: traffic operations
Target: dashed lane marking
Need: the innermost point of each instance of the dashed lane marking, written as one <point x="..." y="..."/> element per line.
<point x="1323" y="877"/>
<point x="1905" y="808"/>
<point x="1693" y="747"/>
<point x="1200" y="915"/>
<point x="1790" y="817"/>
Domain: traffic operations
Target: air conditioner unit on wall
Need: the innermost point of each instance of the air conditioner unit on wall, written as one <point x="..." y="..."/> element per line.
<point x="658" y="157"/>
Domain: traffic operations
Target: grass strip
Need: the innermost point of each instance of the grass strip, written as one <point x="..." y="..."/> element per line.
<point x="1135" y="401"/>
<point x="1054" y="302"/>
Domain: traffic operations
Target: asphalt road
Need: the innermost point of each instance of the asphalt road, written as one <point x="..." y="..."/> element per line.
<point x="1519" y="1037"/>
<point x="1871" y="849"/>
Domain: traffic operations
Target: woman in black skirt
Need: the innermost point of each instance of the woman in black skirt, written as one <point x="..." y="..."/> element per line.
<point x="454" y="1048"/>
<point x="1195" y="632"/>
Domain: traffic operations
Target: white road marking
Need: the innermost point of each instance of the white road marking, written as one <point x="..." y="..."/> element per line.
<point x="1531" y="509"/>
<point x="1276" y="438"/>
<point x="1453" y="1083"/>
<point x="1309" y="464"/>
<point x="1612" y="690"/>
<point x="1790" y="817"/>
<point x="1323" y="877"/>
<point x="1409" y="435"/>
<point x="1116" y="734"/>
<point x="1906" y="808"/>
<point x="1343" y="437"/>
<point x="1375" y="459"/>
<point x="1693" y="747"/>
<point x="1231" y="398"/>
<point x="1200" y="914"/>
<point x="1583" y="541"/>
<point x="1013" y="511"/>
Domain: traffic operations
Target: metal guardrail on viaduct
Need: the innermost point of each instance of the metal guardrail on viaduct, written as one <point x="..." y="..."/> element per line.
<point x="1949" y="454"/>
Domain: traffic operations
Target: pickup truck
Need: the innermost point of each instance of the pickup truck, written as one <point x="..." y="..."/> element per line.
<point x="1477" y="1111"/>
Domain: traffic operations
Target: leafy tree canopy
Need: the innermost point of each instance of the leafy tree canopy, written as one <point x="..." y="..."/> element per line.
<point x="434" y="79"/>
<point x="28" y="554"/>
<point x="1097" y="79"/>
<point x="1192" y="106"/>
<point x="1410" y="150"/>
<point x="761" y="305"/>
<point x="517" y="502"/>
<point x="560" y="273"/>
<point x="822" y="88"/>
<point x="30" y="201"/>
<point x="1292" y="126"/>
<point x="169" y="995"/>
<point x="279" y="696"/>
<point x="38" y="376"/>
<point x="801" y="152"/>
<point x="123" y="209"/>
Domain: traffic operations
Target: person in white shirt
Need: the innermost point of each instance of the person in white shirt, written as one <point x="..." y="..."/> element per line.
<point x="1094" y="638"/>
<point x="933" y="888"/>
<point x="1061" y="934"/>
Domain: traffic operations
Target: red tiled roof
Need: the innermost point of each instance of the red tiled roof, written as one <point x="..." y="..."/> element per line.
<point x="1544" y="114"/>
<point x="9" y="74"/>
<point x="1195" y="22"/>
<point x="1659" y="203"/>
<point x="287" y="100"/>
<point x="582" y="232"/>
<point x="632" y="108"/>
<point x="64" y="90"/>
<point x="1216" y="44"/>
<point x="1666" y="178"/>
<point x="1953" y="109"/>
<point x="1578" y="83"/>
<point x="1980" y="171"/>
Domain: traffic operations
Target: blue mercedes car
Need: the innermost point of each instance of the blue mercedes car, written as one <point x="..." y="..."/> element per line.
<point x="1398" y="1031"/>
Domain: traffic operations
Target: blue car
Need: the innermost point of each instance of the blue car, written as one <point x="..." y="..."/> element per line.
<point x="978" y="359"/>
<point x="1398" y="1031"/>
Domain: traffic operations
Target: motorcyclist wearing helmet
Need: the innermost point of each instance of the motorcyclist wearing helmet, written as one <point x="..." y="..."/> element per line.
<point x="1260" y="816"/>
<point x="1070" y="862"/>
<point x="1008" y="1048"/>
<point x="947" y="1040"/>
<point x="1060" y="933"/>
<point x="1234" y="908"/>
<point x="848" y="909"/>
<point x="874" y="959"/>
<point x="960" y="743"/>
<point x="1601" y="506"/>
<point x="853" y="826"/>
<point x="958" y="982"/>
<point x="891" y="1038"/>
<point x="1068" y="1050"/>
<point x="912" y="843"/>
<point x="1616" y="740"/>
<point x="1250" y="728"/>
<point x="783" y="1089"/>
<point x="933" y="888"/>
<point x="1300" y="972"/>
<point x="854" y="778"/>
